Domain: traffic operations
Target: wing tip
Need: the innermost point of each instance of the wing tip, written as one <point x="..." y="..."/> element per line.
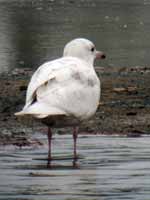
<point x="18" y="113"/>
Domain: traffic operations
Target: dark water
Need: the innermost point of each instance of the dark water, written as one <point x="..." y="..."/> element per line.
<point x="110" y="168"/>
<point x="34" y="31"/>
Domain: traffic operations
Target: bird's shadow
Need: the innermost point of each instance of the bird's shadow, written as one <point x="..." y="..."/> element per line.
<point x="56" y="163"/>
<point x="75" y="164"/>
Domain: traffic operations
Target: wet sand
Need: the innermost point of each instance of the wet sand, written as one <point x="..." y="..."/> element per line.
<point x="124" y="107"/>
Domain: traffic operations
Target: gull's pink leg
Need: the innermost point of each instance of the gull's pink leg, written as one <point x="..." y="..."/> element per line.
<point x="75" y="135"/>
<point x="49" y="145"/>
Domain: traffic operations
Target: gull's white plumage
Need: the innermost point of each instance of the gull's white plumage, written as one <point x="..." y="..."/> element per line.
<point x="65" y="91"/>
<point x="66" y="86"/>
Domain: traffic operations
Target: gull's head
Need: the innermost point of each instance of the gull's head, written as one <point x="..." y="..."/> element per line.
<point x="83" y="49"/>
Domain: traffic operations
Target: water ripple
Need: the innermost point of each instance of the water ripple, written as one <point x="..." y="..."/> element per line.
<point x="109" y="168"/>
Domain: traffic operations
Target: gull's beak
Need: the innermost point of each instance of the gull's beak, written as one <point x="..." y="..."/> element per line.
<point x="100" y="55"/>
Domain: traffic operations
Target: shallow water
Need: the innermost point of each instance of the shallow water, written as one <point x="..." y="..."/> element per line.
<point x="34" y="31"/>
<point x="108" y="168"/>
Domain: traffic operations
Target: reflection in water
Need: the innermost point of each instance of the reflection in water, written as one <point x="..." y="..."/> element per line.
<point x="32" y="32"/>
<point x="108" y="168"/>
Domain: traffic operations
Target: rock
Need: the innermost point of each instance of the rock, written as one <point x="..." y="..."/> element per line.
<point x="133" y="135"/>
<point x="131" y="113"/>
<point x="6" y="132"/>
<point x="125" y="26"/>
<point x="131" y="89"/>
<point x="23" y="88"/>
<point x="140" y="69"/>
<point x="119" y="90"/>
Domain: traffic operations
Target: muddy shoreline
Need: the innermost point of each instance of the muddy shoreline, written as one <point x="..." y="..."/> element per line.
<point x="124" y="108"/>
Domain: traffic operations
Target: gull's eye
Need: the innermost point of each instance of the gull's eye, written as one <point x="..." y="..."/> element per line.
<point x="92" y="49"/>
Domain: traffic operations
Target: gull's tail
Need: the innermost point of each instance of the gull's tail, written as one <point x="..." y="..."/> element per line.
<point x="40" y="110"/>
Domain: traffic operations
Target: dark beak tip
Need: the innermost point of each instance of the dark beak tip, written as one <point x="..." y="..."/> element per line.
<point x="103" y="56"/>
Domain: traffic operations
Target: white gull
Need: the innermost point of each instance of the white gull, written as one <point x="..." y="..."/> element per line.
<point x="65" y="91"/>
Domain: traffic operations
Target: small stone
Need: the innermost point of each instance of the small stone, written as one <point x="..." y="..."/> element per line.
<point x="131" y="113"/>
<point x="133" y="134"/>
<point x="117" y="18"/>
<point x="23" y="88"/>
<point x="118" y="90"/>
<point x="106" y="17"/>
<point x="125" y="26"/>
<point x="21" y="62"/>
<point x="6" y="132"/>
